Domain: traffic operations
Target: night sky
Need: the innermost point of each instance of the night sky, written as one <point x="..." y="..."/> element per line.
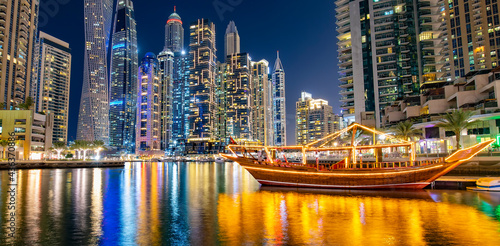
<point x="303" y="32"/>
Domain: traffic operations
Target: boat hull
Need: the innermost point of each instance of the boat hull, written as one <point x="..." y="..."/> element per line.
<point x="391" y="178"/>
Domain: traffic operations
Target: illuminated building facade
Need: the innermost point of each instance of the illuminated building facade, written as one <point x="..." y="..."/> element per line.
<point x="314" y="119"/>
<point x="202" y="73"/>
<point x="33" y="132"/>
<point x="166" y="67"/>
<point x="93" y="118"/>
<point x="238" y="91"/>
<point x="51" y="82"/>
<point x="261" y="103"/>
<point x="279" y="103"/>
<point x="148" y="127"/>
<point x="180" y="103"/>
<point x="18" y="30"/>
<point x="388" y="51"/>
<point x="221" y="120"/>
<point x="231" y="40"/>
<point x="174" y="33"/>
<point x="124" y="65"/>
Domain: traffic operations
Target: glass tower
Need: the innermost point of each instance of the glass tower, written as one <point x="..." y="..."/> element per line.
<point x="124" y="65"/>
<point x="93" y="119"/>
<point x="174" y="33"/>
<point x="279" y="103"/>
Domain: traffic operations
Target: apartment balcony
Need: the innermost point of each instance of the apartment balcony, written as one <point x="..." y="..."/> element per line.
<point x="388" y="93"/>
<point x="387" y="84"/>
<point x="341" y="22"/>
<point x="348" y="91"/>
<point x="346" y="77"/>
<point x="345" y="84"/>
<point x="347" y="105"/>
<point x="341" y="2"/>
<point x="344" y="28"/>
<point x="346" y="99"/>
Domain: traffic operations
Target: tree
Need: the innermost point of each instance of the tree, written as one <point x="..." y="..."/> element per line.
<point x="59" y="147"/>
<point x="27" y="104"/>
<point x="98" y="145"/>
<point x="2" y="106"/>
<point x="4" y="143"/>
<point x="457" y="121"/>
<point x="77" y="147"/>
<point x="85" y="146"/>
<point x="406" y="131"/>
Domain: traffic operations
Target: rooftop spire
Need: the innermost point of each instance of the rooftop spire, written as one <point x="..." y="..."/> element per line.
<point x="175" y="11"/>
<point x="277" y="64"/>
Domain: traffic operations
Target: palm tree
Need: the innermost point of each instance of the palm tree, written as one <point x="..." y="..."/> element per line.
<point x="457" y="121"/>
<point x="4" y="143"/>
<point x="85" y="146"/>
<point x="98" y="145"/>
<point x="77" y="147"/>
<point x="59" y="147"/>
<point x="406" y="131"/>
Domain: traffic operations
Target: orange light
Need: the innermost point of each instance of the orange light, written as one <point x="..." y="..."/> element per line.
<point x="342" y="174"/>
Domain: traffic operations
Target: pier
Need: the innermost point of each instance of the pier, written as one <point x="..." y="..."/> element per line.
<point x="62" y="164"/>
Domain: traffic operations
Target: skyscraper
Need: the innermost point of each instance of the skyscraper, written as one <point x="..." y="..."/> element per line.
<point x="279" y="103"/>
<point x="180" y="103"/>
<point x="51" y="82"/>
<point x="388" y="51"/>
<point x="232" y="40"/>
<point x="165" y="70"/>
<point x="148" y="128"/>
<point x="18" y="31"/>
<point x="93" y="119"/>
<point x="261" y="103"/>
<point x="174" y="33"/>
<point x="202" y="57"/>
<point x="238" y="87"/>
<point x="315" y="119"/>
<point x="124" y="65"/>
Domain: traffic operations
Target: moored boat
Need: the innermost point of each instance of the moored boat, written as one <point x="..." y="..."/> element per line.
<point x="270" y="165"/>
<point x="487" y="184"/>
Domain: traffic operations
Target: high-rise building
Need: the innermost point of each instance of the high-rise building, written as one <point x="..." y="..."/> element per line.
<point x="473" y="35"/>
<point x="315" y="119"/>
<point x="202" y="72"/>
<point x="51" y="82"/>
<point x="180" y="103"/>
<point x="148" y="127"/>
<point x="174" y="33"/>
<point x="232" y="40"/>
<point x="123" y="90"/>
<point x="238" y="87"/>
<point x="388" y="50"/>
<point x="279" y="107"/>
<point x="93" y="118"/>
<point x="221" y="120"/>
<point x="166" y="70"/>
<point x="261" y="103"/>
<point x="18" y="31"/>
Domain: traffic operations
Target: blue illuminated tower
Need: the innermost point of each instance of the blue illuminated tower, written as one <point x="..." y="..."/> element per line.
<point x="279" y="103"/>
<point x="124" y="65"/>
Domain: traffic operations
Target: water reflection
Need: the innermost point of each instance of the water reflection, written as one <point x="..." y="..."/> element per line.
<point x="213" y="203"/>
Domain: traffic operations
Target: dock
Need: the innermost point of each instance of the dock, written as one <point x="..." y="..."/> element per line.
<point x="61" y="164"/>
<point x="454" y="182"/>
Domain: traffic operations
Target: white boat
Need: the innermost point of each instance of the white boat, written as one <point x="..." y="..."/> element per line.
<point x="487" y="184"/>
<point x="219" y="159"/>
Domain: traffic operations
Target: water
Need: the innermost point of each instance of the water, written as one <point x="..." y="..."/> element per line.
<point x="215" y="203"/>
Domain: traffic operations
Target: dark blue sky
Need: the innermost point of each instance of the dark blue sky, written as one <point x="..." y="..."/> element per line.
<point x="304" y="33"/>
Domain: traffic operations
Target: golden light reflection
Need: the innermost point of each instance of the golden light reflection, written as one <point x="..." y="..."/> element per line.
<point x="314" y="219"/>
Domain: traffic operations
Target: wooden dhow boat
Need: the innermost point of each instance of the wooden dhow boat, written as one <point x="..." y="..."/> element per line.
<point x="388" y="163"/>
